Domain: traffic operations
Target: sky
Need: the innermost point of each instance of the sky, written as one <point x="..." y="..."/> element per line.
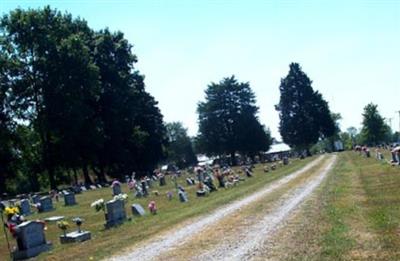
<point x="349" y="49"/>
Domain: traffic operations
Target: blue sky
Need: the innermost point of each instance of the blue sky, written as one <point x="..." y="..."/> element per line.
<point x="350" y="49"/>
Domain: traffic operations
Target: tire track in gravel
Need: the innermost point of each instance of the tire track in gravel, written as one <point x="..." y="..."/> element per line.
<point x="254" y="238"/>
<point x="162" y="243"/>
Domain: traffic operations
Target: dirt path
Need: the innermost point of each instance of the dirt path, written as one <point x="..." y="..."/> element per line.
<point x="249" y="241"/>
<point x="156" y="247"/>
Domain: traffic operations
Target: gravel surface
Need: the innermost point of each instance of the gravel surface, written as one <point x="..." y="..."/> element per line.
<point x="253" y="238"/>
<point x="171" y="239"/>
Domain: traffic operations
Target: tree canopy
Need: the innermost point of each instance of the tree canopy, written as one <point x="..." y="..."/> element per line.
<point x="374" y="129"/>
<point x="180" y="146"/>
<point x="74" y="93"/>
<point x="228" y="121"/>
<point x="304" y="114"/>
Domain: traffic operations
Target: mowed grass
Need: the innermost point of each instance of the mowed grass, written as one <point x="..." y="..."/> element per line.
<point x="355" y="214"/>
<point x="170" y="213"/>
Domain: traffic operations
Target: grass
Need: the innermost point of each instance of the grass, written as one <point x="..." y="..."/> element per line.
<point x="354" y="215"/>
<point x="170" y="213"/>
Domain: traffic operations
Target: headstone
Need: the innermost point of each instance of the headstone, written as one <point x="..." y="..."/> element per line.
<point x="75" y="236"/>
<point x="77" y="189"/>
<point x="83" y="188"/>
<point x="115" y="213"/>
<point x="35" y="199"/>
<point x="162" y="181"/>
<point x="69" y="199"/>
<point x="93" y="187"/>
<point x="285" y="161"/>
<point x="99" y="186"/>
<point x="31" y="240"/>
<point x="182" y="196"/>
<point x="25" y="207"/>
<point x="189" y="182"/>
<point x="116" y="189"/>
<point x="46" y="204"/>
<point x="144" y="188"/>
<point x="138" y="210"/>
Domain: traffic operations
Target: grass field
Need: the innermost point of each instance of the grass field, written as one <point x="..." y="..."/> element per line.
<point x="354" y="215"/>
<point x="170" y="213"/>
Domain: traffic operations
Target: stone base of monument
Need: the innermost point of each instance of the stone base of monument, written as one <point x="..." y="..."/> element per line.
<point x="75" y="236"/>
<point x="31" y="252"/>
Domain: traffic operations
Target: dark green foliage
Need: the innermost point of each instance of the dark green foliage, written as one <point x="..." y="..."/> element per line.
<point x="74" y="94"/>
<point x="228" y="120"/>
<point x="304" y="114"/>
<point x="180" y="147"/>
<point x="374" y="128"/>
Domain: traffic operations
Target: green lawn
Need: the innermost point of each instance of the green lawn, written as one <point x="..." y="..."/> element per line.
<point x="355" y="214"/>
<point x="170" y="213"/>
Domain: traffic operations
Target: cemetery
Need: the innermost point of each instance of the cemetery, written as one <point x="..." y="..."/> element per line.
<point x="149" y="130"/>
<point x="113" y="221"/>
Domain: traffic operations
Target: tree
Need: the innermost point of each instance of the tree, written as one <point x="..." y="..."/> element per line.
<point x="374" y="128"/>
<point x="34" y="42"/>
<point x="180" y="147"/>
<point x="228" y="120"/>
<point x="304" y="114"/>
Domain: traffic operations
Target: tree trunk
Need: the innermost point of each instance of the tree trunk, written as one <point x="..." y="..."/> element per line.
<point x="86" y="176"/>
<point x="52" y="178"/>
<point x="75" y="176"/>
<point x="100" y="174"/>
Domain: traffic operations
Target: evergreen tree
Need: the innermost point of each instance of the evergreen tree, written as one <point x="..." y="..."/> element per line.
<point x="374" y="128"/>
<point x="180" y="147"/>
<point x="304" y="114"/>
<point x="228" y="120"/>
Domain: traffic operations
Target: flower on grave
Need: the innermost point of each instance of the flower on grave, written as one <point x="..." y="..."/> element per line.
<point x="152" y="207"/>
<point x="11" y="211"/>
<point x="98" y="205"/>
<point x="123" y="197"/>
<point x="115" y="183"/>
<point x="63" y="225"/>
<point x="131" y="184"/>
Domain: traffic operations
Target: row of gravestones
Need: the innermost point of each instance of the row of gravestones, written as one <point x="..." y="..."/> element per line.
<point x="45" y="203"/>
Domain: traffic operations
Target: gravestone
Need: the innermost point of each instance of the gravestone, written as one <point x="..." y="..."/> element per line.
<point x="116" y="189"/>
<point x="35" y="199"/>
<point x="182" y="196"/>
<point x="93" y="187"/>
<point x="115" y="213"/>
<point x="31" y="240"/>
<point x="46" y="204"/>
<point x="162" y="181"/>
<point x="83" y="188"/>
<point x="25" y="207"/>
<point x="285" y="161"/>
<point x="189" y="182"/>
<point x="99" y="186"/>
<point x="77" y="189"/>
<point x="138" y="210"/>
<point x="69" y="199"/>
<point x="75" y="236"/>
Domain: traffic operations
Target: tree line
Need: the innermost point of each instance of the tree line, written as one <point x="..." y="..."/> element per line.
<point x="74" y="105"/>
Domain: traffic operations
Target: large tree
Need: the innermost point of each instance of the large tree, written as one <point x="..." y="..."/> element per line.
<point x="228" y="120"/>
<point x="374" y="128"/>
<point x="180" y="147"/>
<point x="304" y="114"/>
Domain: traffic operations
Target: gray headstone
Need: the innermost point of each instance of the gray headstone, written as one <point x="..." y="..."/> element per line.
<point x="83" y="188"/>
<point x="285" y="161"/>
<point x="162" y="181"/>
<point x="25" y="207"/>
<point x="99" y="186"/>
<point x="75" y="236"/>
<point x="69" y="199"/>
<point x="31" y="240"/>
<point x="138" y="210"/>
<point x="93" y="187"/>
<point x="189" y="182"/>
<point x="115" y="213"/>
<point x="116" y="189"/>
<point x="46" y="204"/>
<point x="182" y="196"/>
<point x="35" y="199"/>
